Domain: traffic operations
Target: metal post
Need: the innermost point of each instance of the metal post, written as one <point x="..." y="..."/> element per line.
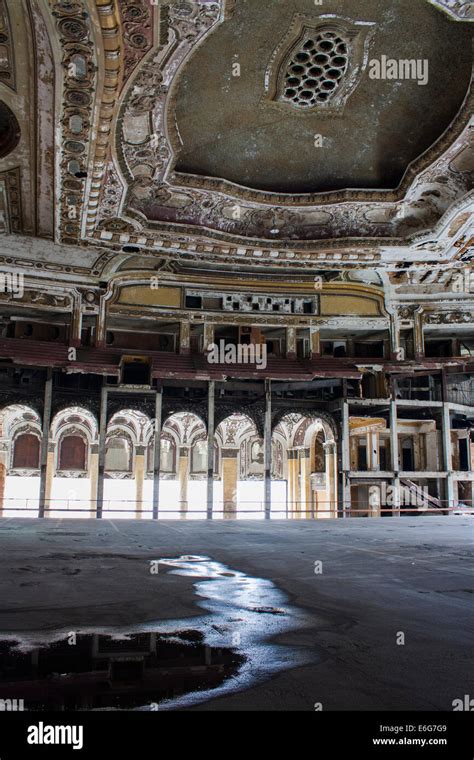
<point x="157" y="452"/>
<point x="210" y="448"/>
<point x="102" y="437"/>
<point x="267" y="437"/>
<point x="48" y="395"/>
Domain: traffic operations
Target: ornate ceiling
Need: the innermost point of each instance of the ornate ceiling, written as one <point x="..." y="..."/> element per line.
<point x="240" y="133"/>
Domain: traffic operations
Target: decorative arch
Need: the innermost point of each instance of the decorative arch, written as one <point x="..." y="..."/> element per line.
<point x="233" y="428"/>
<point x="187" y="427"/>
<point x="135" y="423"/>
<point x="327" y="421"/>
<point x="72" y="432"/>
<point x="20" y="421"/>
<point x="309" y="443"/>
<point x="74" y="419"/>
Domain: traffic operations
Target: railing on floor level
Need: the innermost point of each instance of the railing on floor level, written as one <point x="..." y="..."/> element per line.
<point x="422" y="504"/>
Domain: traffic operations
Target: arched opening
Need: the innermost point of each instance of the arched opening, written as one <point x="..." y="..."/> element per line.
<point x="118" y="455"/>
<point x="310" y="466"/>
<point x="20" y="433"/>
<point x="183" y="490"/>
<point x="26" y="452"/>
<point x="199" y="458"/>
<point x="239" y="491"/>
<point x="9" y="130"/>
<point x="127" y="492"/>
<point x="71" y="466"/>
<point x="72" y="454"/>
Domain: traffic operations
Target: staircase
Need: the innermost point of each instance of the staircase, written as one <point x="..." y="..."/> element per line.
<point x="422" y="499"/>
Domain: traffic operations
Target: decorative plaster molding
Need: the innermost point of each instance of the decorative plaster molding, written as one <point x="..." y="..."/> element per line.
<point x="334" y="48"/>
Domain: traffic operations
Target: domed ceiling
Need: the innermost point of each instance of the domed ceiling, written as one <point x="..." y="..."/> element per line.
<point x="269" y="122"/>
<point x="229" y="127"/>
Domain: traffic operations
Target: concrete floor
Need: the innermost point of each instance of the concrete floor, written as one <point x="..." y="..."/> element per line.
<point x="380" y="577"/>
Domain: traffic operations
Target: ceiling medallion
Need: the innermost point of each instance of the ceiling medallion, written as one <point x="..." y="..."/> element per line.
<point x="319" y="63"/>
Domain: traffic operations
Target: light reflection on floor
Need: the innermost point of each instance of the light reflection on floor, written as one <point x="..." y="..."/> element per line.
<point x="240" y="614"/>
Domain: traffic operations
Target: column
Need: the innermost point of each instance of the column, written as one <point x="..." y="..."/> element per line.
<point x="345" y="457"/>
<point x="267" y="443"/>
<point x="140" y="464"/>
<point x="292" y="483"/>
<point x="296" y="506"/>
<point x="373" y="451"/>
<point x="101" y="457"/>
<point x="49" y="477"/>
<point x="3" y="472"/>
<point x="208" y="335"/>
<point x="210" y="448"/>
<point x="448" y="455"/>
<point x="331" y="459"/>
<point x="3" y="465"/>
<point x="76" y="323"/>
<point x="184" y="337"/>
<point x="470" y="454"/>
<point x="157" y="452"/>
<point x="230" y="477"/>
<point x="305" y="469"/>
<point x="183" y="477"/>
<point x="374" y="501"/>
<point x="394" y="453"/>
<point x="101" y="330"/>
<point x="314" y="334"/>
<point x="354" y="452"/>
<point x="94" y="475"/>
<point x="418" y="334"/>
<point x="329" y="508"/>
<point x="291" y="342"/>
<point x="48" y="394"/>
<point x="396" y="353"/>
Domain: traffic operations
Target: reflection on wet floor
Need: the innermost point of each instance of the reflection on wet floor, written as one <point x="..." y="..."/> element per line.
<point x="160" y="665"/>
<point x="101" y="671"/>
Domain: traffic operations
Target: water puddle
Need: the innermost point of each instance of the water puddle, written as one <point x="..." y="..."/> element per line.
<point x="160" y="665"/>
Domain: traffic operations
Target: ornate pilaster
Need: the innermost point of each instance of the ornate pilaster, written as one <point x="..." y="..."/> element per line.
<point x="183" y="477"/>
<point x="229" y="477"/>
<point x="140" y="465"/>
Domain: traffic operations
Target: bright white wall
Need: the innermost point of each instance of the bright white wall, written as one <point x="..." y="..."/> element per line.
<point x="250" y="499"/>
<point x="70" y="494"/>
<point x="119" y="497"/>
<point x="21" y="492"/>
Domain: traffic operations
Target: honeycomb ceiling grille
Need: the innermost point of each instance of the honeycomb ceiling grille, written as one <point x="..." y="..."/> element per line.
<point x="316" y="70"/>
